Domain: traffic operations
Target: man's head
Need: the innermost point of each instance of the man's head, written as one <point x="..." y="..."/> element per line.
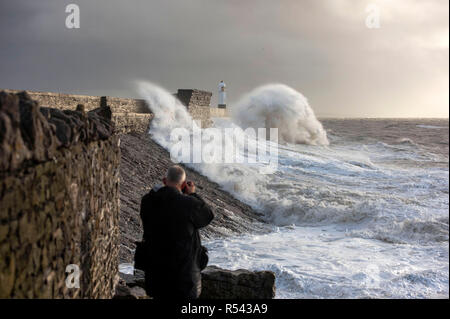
<point x="175" y="177"/>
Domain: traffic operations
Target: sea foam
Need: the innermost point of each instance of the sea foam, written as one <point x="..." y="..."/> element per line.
<point x="280" y="106"/>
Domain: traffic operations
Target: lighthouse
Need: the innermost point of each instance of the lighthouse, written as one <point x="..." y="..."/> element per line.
<point x="222" y="95"/>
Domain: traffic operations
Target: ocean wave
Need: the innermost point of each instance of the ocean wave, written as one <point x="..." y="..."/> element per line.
<point x="407" y="231"/>
<point x="430" y="126"/>
<point x="279" y="106"/>
<point x="406" y="140"/>
<point x="317" y="185"/>
<point x="304" y="211"/>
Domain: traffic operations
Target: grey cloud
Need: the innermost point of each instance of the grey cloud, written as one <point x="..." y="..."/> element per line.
<point x="321" y="48"/>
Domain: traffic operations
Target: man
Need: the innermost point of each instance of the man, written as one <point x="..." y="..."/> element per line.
<point x="171" y="221"/>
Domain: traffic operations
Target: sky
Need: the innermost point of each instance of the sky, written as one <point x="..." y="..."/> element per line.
<point x="322" y="48"/>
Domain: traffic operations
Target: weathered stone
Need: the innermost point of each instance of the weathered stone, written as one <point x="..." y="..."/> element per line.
<point x="36" y="132"/>
<point x="138" y="279"/>
<point x="44" y="256"/>
<point x="27" y="229"/>
<point x="36" y="256"/>
<point x="81" y="108"/>
<point x="123" y="292"/>
<point x="4" y="229"/>
<point x="126" y="289"/>
<point x="45" y="210"/>
<point x="126" y="123"/>
<point x="28" y="131"/>
<point x="7" y="276"/>
<point x="198" y="104"/>
<point x="12" y="147"/>
<point x="219" y="283"/>
<point x="104" y="112"/>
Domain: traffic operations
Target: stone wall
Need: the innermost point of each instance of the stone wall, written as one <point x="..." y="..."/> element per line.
<point x="123" y="105"/>
<point x="70" y="101"/>
<point x="198" y="104"/>
<point x="191" y="97"/>
<point x="131" y="122"/>
<point x="129" y="115"/>
<point x="63" y="101"/>
<point x="216" y="112"/>
<point x="59" y="200"/>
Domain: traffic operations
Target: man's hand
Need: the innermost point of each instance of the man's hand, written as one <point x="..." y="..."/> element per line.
<point x="190" y="188"/>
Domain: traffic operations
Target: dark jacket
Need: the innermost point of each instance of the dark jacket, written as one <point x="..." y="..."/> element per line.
<point x="172" y="242"/>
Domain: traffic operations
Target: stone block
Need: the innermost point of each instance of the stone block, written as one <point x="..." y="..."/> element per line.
<point x="219" y="283"/>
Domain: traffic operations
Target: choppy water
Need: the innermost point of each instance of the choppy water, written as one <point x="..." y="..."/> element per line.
<point x="363" y="216"/>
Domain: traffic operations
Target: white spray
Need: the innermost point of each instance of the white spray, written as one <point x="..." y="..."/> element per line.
<point x="277" y="105"/>
<point x="243" y="180"/>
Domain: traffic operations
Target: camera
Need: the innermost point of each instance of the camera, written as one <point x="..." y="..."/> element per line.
<point x="184" y="189"/>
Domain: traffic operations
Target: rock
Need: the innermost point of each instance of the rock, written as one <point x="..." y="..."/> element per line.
<point x="81" y="108"/>
<point x="12" y="147"/>
<point x="7" y="276"/>
<point x="139" y="276"/>
<point x="36" y="132"/>
<point x="63" y="131"/>
<point x="29" y="132"/>
<point x="138" y="292"/>
<point x="74" y="126"/>
<point x="102" y="121"/>
<point x="219" y="283"/>
<point x="136" y="280"/>
<point x="125" y="292"/>
<point x="104" y="111"/>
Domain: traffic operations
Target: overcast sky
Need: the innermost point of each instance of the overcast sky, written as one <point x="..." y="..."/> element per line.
<point x="322" y="48"/>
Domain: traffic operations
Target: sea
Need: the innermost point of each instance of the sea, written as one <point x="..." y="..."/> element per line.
<point x="357" y="208"/>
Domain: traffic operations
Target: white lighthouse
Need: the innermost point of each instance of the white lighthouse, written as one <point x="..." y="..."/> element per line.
<point x="222" y="95"/>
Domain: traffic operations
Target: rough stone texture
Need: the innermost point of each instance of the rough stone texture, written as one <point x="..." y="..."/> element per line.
<point x="70" y="101"/>
<point x="123" y="105"/>
<point x="198" y="104"/>
<point x="143" y="165"/>
<point x="33" y="134"/>
<point x="194" y="97"/>
<point x="216" y="112"/>
<point x="59" y="201"/>
<point x="137" y="279"/>
<point x="219" y="283"/>
<point x="125" y="291"/>
<point x="63" y="101"/>
<point x="24" y="133"/>
<point x="128" y="115"/>
<point x="201" y="113"/>
<point x="131" y="286"/>
<point x="132" y="122"/>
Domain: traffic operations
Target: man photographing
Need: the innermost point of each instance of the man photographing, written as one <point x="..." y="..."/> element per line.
<point x="173" y="256"/>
